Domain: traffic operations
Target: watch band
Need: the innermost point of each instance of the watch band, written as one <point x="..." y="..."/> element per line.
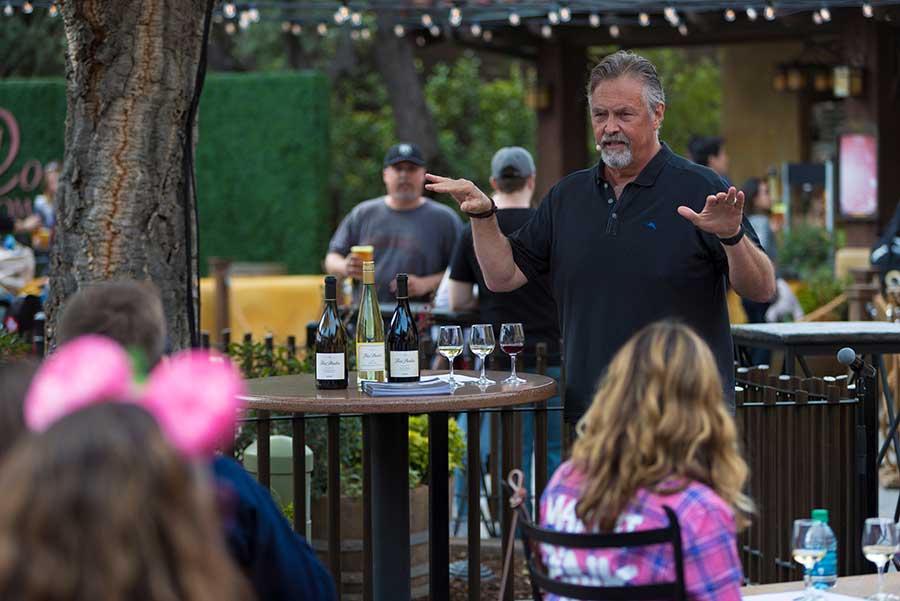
<point x="485" y="214"/>
<point x="734" y="239"/>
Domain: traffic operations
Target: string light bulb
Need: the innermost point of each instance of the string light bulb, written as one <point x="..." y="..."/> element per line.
<point x="475" y="29"/>
<point x="296" y="29"/>
<point x="365" y="33"/>
<point x="285" y="26"/>
<point x="322" y="29"/>
<point x="553" y="17"/>
<point x="671" y="14"/>
<point x="356" y="19"/>
<point x="816" y="17"/>
<point x="8" y="10"/>
<point x="455" y="16"/>
<point x="867" y="10"/>
<point x="244" y="21"/>
<point x="644" y="19"/>
<point x="514" y="19"/>
<point x="230" y="28"/>
<point x="565" y="14"/>
<point x="825" y="14"/>
<point x="751" y="13"/>
<point x="614" y="31"/>
<point x="354" y="35"/>
<point x="399" y="30"/>
<point x="427" y="21"/>
<point x="53" y="11"/>
<point x="546" y="31"/>
<point x="229" y="10"/>
<point x="769" y="12"/>
<point x="27" y="8"/>
<point x="420" y="41"/>
<point x="730" y="15"/>
<point x="682" y="29"/>
<point x="488" y="36"/>
<point x="435" y="31"/>
<point x="594" y="20"/>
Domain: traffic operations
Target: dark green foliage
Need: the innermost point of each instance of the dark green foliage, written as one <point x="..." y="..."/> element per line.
<point x="262" y="168"/>
<point x="31" y="45"/>
<point x="12" y="346"/>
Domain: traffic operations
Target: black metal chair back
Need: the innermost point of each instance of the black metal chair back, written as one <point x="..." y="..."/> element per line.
<point x="542" y="582"/>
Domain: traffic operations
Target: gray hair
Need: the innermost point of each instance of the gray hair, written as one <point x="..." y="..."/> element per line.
<point x="625" y="62"/>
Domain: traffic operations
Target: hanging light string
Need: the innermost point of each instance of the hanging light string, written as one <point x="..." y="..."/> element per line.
<point x="476" y="19"/>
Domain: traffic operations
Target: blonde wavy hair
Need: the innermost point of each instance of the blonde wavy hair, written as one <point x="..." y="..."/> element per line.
<point x="658" y="422"/>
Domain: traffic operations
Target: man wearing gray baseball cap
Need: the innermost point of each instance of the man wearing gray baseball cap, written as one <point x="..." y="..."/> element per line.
<point x="532" y="305"/>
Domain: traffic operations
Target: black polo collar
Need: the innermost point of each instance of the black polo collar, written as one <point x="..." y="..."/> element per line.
<point x="647" y="176"/>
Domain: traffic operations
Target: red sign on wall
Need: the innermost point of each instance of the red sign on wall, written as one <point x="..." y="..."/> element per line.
<point x="27" y="179"/>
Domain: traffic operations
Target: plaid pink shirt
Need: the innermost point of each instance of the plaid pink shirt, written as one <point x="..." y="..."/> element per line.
<point x="712" y="569"/>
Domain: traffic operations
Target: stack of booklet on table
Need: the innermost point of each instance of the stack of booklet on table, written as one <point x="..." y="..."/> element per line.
<point x="429" y="387"/>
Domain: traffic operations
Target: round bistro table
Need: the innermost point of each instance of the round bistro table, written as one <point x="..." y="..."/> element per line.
<point x="386" y="445"/>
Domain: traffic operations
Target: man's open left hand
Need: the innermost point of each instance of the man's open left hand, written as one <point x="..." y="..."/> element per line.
<point x="721" y="215"/>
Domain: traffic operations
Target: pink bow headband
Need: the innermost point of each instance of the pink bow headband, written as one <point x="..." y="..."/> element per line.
<point x="194" y="396"/>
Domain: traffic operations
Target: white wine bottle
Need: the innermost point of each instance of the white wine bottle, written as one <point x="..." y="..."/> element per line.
<point x="331" y="343"/>
<point x="369" y="332"/>
<point x="403" y="338"/>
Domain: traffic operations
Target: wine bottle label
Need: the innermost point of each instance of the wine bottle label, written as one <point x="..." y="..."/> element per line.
<point x="404" y="364"/>
<point x="370" y="356"/>
<point x="330" y="366"/>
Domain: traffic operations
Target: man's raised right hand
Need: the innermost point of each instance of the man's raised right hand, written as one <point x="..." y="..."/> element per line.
<point x="467" y="194"/>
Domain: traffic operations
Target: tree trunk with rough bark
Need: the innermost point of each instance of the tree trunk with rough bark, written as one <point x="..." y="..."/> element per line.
<point x="124" y="211"/>
<point x="396" y="64"/>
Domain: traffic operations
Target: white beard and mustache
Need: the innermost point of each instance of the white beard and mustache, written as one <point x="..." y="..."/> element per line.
<point x="617" y="159"/>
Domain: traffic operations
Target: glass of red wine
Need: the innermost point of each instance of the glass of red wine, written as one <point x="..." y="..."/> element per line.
<point x="512" y="342"/>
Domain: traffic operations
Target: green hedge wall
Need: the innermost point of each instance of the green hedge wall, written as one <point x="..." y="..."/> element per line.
<point x="262" y="161"/>
<point x="262" y="168"/>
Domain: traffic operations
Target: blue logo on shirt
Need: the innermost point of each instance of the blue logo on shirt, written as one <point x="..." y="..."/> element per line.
<point x="651" y="225"/>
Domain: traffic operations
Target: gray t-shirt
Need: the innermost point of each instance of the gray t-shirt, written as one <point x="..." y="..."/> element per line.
<point x="418" y="242"/>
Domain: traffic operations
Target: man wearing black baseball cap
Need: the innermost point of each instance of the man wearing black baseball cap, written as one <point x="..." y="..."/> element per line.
<point x="410" y="233"/>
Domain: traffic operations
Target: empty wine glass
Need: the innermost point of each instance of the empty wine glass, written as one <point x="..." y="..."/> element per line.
<point x="482" y="343"/>
<point x="879" y="543"/>
<point x="450" y="344"/>
<point x="809" y="544"/>
<point x="512" y="341"/>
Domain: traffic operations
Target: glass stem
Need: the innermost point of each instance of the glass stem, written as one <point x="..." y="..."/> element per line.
<point x="451" y="367"/>
<point x="807" y="583"/>
<point x="514" y="376"/>
<point x="880" y="581"/>
<point x="483" y="362"/>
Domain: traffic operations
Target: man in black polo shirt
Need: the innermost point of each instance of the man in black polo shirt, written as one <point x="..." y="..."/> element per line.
<point x="643" y="235"/>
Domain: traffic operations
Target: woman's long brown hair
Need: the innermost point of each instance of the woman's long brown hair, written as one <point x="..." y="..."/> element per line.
<point x="100" y="508"/>
<point x="658" y="422"/>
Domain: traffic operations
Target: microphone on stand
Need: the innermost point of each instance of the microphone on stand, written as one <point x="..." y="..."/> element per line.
<point x="847" y="356"/>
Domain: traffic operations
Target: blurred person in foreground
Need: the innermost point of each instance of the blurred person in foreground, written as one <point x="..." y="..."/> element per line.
<point x="411" y="233"/>
<point x="643" y="235"/>
<point x="279" y="562"/>
<point x="657" y="434"/>
<point x="100" y="507"/>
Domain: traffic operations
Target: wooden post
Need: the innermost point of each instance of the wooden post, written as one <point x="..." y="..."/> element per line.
<point x="219" y="269"/>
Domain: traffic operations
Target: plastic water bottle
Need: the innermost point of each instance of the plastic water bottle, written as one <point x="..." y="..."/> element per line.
<point x="824" y="573"/>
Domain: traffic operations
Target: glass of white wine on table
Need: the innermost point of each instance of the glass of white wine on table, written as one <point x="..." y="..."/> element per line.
<point x="450" y="344"/>
<point x="809" y="544"/>
<point x="482" y="343"/>
<point x="879" y="544"/>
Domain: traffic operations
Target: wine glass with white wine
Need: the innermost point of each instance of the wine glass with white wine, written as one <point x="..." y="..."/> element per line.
<point x="482" y="343"/>
<point x="450" y="344"/>
<point x="809" y="544"/>
<point x="879" y="543"/>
